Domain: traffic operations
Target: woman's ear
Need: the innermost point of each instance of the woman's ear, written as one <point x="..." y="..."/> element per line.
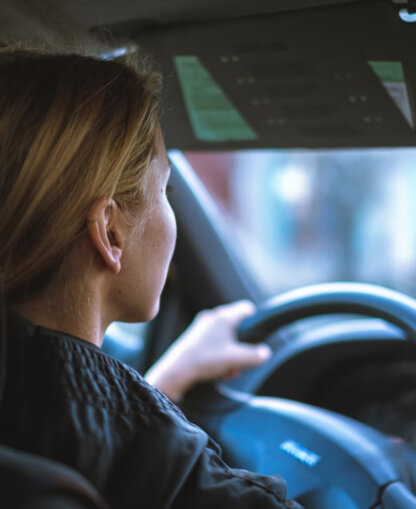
<point x="105" y="228"/>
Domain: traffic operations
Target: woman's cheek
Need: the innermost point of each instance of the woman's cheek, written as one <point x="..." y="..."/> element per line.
<point x="170" y="228"/>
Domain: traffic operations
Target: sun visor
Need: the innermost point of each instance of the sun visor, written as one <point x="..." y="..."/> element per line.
<point x="338" y="76"/>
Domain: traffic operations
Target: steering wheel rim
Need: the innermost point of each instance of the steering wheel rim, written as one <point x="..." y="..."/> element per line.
<point x="331" y="298"/>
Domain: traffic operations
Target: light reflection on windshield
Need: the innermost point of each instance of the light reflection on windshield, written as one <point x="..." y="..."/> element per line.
<point x="303" y="217"/>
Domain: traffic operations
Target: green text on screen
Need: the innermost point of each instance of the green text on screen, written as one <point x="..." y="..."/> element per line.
<point x="212" y="115"/>
<point x="391" y="75"/>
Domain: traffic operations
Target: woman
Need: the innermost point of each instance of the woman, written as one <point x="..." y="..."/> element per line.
<point x="87" y="234"/>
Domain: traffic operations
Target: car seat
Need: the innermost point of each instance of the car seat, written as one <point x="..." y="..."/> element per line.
<point x="31" y="482"/>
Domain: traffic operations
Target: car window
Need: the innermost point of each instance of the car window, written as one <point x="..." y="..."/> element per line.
<point x="300" y="217"/>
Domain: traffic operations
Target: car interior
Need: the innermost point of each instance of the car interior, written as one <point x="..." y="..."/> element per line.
<point x="290" y="127"/>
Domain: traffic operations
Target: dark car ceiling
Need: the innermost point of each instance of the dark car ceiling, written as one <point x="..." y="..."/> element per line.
<point x="109" y="12"/>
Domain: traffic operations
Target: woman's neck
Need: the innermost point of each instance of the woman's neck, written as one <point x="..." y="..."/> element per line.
<point x="72" y="312"/>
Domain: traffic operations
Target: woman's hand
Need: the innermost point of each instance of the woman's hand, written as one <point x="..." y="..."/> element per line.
<point x="207" y="350"/>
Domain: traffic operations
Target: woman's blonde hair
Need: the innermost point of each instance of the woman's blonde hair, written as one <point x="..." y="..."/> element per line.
<point x="72" y="129"/>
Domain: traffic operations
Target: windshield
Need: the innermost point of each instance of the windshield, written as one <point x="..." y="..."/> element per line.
<point x="300" y="217"/>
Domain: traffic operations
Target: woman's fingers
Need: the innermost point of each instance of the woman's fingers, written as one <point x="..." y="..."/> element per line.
<point x="236" y="312"/>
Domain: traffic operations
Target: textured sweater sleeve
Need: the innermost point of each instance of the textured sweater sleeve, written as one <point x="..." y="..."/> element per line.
<point x="213" y="484"/>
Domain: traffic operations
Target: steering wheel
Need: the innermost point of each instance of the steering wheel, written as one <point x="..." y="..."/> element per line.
<point x="328" y="460"/>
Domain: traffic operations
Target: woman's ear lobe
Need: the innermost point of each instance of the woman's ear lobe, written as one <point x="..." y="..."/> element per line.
<point x="104" y="234"/>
